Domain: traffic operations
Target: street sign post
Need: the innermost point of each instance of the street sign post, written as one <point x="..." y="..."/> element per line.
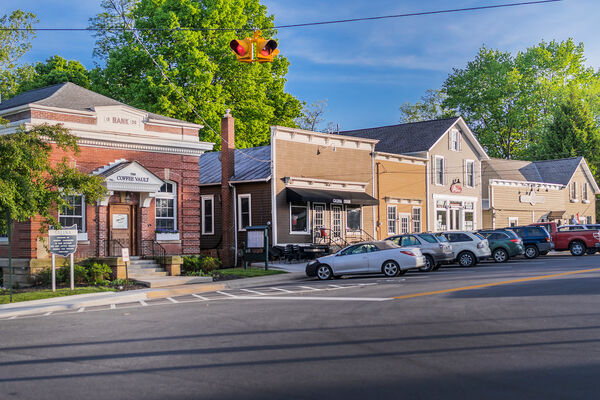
<point x="64" y="243"/>
<point x="125" y="257"/>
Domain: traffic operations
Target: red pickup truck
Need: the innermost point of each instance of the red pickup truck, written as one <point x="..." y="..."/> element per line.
<point x="578" y="242"/>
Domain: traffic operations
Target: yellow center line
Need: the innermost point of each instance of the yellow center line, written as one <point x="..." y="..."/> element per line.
<point x="534" y="278"/>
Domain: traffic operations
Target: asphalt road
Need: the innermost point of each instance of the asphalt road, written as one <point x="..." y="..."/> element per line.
<point x="521" y="330"/>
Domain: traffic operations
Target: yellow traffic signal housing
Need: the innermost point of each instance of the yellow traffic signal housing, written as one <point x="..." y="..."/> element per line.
<point x="265" y="50"/>
<point x="242" y="49"/>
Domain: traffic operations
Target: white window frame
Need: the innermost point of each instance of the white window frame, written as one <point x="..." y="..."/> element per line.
<point x="239" y="208"/>
<point x="346" y="219"/>
<point x="168" y="195"/>
<point x="454" y="140"/>
<point x="513" y="219"/>
<point x="420" y="220"/>
<point x="81" y="236"/>
<point x="388" y="219"/>
<point x="315" y="205"/>
<point x="471" y="162"/>
<point x="584" y="193"/>
<point x="402" y="215"/>
<point x="308" y="219"/>
<point x="573" y="192"/>
<point x="210" y="197"/>
<point x="334" y="207"/>
<point x="437" y="173"/>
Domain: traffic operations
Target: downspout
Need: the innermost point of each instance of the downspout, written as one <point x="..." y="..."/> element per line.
<point x="235" y="234"/>
<point x="427" y="202"/>
<point x="373" y="189"/>
<point x="378" y="205"/>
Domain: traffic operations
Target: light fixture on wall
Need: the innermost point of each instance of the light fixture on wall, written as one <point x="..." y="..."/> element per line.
<point x="318" y="151"/>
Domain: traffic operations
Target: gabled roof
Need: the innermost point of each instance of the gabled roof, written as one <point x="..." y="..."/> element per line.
<point x="406" y="138"/>
<point x="558" y="171"/>
<point x="252" y="164"/>
<point x="71" y="97"/>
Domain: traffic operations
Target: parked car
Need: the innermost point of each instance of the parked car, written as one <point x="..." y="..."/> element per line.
<point x="435" y="249"/>
<point x="469" y="247"/>
<point x="381" y="256"/>
<point x="576" y="241"/>
<point x="503" y="244"/>
<point x="536" y="240"/>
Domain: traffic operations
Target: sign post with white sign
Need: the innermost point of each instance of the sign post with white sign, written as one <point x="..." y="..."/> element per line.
<point x="125" y="257"/>
<point x="64" y="243"/>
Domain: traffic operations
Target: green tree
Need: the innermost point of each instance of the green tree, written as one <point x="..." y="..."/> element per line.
<point x="199" y="63"/>
<point x="312" y="115"/>
<point x="56" y="70"/>
<point x="15" y="40"/>
<point x="573" y="132"/>
<point x="430" y="107"/>
<point x="31" y="184"/>
<point x="508" y="100"/>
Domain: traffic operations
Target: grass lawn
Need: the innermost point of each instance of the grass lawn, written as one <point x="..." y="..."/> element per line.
<point x="48" y="293"/>
<point x="249" y="273"/>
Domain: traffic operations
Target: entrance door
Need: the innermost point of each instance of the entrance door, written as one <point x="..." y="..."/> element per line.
<point x="454" y="219"/>
<point x="122" y="229"/>
<point x="404" y="222"/>
<point x="336" y="221"/>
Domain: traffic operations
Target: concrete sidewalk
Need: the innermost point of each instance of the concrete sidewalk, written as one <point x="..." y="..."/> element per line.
<point x="73" y="303"/>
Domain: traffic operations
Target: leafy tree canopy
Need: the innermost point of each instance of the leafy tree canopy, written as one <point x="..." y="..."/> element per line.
<point x="430" y="107"/>
<point x="30" y="183"/>
<point x="13" y="44"/>
<point x="199" y="64"/>
<point x="508" y="100"/>
<point x="56" y="70"/>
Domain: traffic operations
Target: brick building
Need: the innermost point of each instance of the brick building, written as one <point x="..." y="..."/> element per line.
<point x="149" y="164"/>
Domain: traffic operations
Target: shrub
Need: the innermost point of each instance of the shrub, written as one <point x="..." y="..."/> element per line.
<point x="99" y="272"/>
<point x="193" y="265"/>
<point x="94" y="273"/>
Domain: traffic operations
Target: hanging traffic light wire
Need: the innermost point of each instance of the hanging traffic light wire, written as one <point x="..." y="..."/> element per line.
<point x="415" y="14"/>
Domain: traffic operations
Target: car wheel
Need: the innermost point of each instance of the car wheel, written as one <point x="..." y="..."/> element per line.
<point x="390" y="268"/>
<point x="577" y="248"/>
<point x="429" y="264"/>
<point x="500" y="255"/>
<point x="531" y="251"/>
<point x="324" y="272"/>
<point x="466" y="259"/>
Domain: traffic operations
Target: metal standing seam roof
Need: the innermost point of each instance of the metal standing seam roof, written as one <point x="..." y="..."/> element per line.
<point x="251" y="164"/>
<point x="72" y="97"/>
<point x="405" y="138"/>
<point x="548" y="171"/>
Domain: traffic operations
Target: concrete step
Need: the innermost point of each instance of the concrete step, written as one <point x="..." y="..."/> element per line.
<point x="141" y="270"/>
<point x="172" y="281"/>
<point x="134" y="274"/>
<point x="142" y="262"/>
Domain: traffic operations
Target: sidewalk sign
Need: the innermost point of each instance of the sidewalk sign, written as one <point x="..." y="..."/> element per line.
<point x="125" y="257"/>
<point x="64" y="243"/>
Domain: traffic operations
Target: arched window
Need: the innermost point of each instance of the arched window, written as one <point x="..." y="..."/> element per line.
<point x="166" y="208"/>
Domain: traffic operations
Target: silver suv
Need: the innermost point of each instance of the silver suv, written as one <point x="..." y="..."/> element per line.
<point x="436" y="249"/>
<point x="469" y="247"/>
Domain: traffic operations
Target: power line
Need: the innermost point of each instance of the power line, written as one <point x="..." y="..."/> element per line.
<point x="340" y="21"/>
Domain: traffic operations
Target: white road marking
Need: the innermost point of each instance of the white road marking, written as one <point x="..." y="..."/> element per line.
<point x="172" y="300"/>
<point x="142" y="302"/>
<point x="314" y="298"/>
<point x="200" y="297"/>
<point x="281" y="290"/>
<point x="82" y="309"/>
<point x="13" y="317"/>
<point x="308" y="287"/>
<point x="112" y="306"/>
<point x="254" y="291"/>
<point x="48" y="313"/>
<point x="336" y="286"/>
<point x="227" y="294"/>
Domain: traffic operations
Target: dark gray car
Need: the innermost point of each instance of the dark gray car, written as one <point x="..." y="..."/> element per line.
<point x="436" y="249"/>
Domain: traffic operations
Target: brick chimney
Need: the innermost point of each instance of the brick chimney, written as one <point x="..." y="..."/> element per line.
<point x="227" y="200"/>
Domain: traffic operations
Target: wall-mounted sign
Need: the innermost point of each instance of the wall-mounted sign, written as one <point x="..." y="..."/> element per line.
<point x="340" y="201"/>
<point x="456" y="188"/>
<point x="132" y="178"/>
<point x="120" y="221"/>
<point x="63" y="241"/>
<point x="532" y="198"/>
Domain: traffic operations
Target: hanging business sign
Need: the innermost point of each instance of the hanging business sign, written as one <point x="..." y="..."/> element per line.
<point x="63" y="241"/>
<point x="456" y="188"/>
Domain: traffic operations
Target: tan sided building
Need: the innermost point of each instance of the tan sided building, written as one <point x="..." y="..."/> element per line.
<point x="523" y="192"/>
<point x="453" y="172"/>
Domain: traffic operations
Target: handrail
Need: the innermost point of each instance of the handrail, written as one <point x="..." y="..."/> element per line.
<point x="112" y="247"/>
<point x="157" y="251"/>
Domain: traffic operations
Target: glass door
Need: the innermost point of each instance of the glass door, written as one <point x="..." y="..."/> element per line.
<point x="336" y="221"/>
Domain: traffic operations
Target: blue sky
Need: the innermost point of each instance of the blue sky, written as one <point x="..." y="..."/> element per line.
<point x="364" y="70"/>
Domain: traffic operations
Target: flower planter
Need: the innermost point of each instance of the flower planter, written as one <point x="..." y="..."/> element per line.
<point x="167" y="236"/>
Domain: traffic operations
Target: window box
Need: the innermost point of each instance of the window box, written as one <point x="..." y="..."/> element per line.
<point x="167" y="235"/>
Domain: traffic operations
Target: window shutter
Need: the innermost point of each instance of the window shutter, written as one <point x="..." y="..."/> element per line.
<point x="432" y="169"/>
<point x="445" y="170"/>
<point x="450" y="140"/>
<point x="464" y="173"/>
<point x="459" y="140"/>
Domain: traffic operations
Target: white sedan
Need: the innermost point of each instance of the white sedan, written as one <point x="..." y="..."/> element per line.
<point x="381" y="256"/>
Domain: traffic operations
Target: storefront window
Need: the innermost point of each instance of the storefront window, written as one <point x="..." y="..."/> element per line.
<point x="391" y="220"/>
<point x="74" y="213"/>
<point x="441" y="220"/>
<point x="469" y="223"/>
<point x="298" y="215"/>
<point x="353" y="218"/>
<point x="166" y="206"/>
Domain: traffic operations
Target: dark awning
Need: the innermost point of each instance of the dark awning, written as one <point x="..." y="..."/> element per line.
<point x="556" y="214"/>
<point x="329" y="196"/>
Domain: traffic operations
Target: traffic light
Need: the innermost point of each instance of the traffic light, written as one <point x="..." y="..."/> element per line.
<point x="265" y="50"/>
<point x="242" y="49"/>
